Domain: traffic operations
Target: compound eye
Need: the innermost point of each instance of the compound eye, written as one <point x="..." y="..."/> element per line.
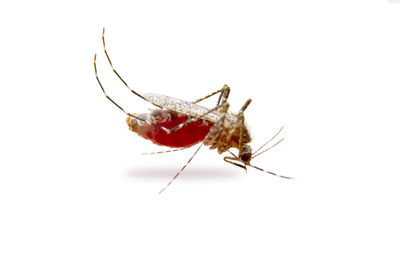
<point x="245" y="157"/>
<point x="246" y="153"/>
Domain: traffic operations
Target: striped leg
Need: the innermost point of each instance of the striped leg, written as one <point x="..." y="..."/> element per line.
<point x="197" y="118"/>
<point x="118" y="106"/>
<point x="119" y="76"/>
<point x="190" y="159"/>
<point x="165" y="151"/>
<point x="149" y="122"/>
<point x="224" y="94"/>
<point x="272" y="173"/>
<point x="243" y="165"/>
<point x="217" y="127"/>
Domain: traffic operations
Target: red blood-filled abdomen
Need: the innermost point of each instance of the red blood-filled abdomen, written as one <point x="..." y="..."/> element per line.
<point x="188" y="135"/>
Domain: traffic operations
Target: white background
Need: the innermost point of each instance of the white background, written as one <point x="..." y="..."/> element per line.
<point x="75" y="190"/>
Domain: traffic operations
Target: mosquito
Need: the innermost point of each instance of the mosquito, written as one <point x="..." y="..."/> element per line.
<point x="180" y="124"/>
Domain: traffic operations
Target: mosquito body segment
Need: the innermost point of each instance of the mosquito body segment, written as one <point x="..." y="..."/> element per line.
<point x="223" y="136"/>
<point x="186" y="136"/>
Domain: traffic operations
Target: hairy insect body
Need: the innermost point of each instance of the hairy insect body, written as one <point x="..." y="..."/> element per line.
<point x="228" y="135"/>
<point x="186" y="136"/>
<point x="222" y="137"/>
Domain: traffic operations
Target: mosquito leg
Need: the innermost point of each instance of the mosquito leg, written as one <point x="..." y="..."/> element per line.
<point x="240" y="119"/>
<point x="118" y="106"/>
<point x="244" y="107"/>
<point x="184" y="166"/>
<point x="229" y="137"/>
<point x="190" y="159"/>
<point x="234" y="158"/>
<point x="119" y="76"/>
<point x="229" y="160"/>
<point x="224" y="94"/>
<point x="165" y="151"/>
<point x="217" y="127"/>
<point x="232" y="154"/>
<point x="109" y="98"/>
<point x="241" y="133"/>
<point x="272" y="173"/>
<point x="240" y="124"/>
<point x="224" y="106"/>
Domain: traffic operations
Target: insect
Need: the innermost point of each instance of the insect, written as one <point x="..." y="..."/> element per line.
<point x="181" y="124"/>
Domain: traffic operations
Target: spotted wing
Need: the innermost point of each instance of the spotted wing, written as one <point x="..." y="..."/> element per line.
<point x="182" y="106"/>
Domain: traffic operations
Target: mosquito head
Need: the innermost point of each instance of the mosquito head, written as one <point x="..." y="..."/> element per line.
<point x="245" y="154"/>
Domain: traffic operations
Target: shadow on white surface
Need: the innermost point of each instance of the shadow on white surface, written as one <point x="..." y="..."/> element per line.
<point x="166" y="173"/>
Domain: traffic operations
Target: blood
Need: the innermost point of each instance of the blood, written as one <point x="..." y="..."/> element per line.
<point x="188" y="135"/>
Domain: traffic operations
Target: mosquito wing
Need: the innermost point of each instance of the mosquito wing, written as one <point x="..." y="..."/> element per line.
<point x="182" y="106"/>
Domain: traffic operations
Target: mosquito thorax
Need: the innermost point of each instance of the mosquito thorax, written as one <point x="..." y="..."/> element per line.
<point x="226" y="136"/>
